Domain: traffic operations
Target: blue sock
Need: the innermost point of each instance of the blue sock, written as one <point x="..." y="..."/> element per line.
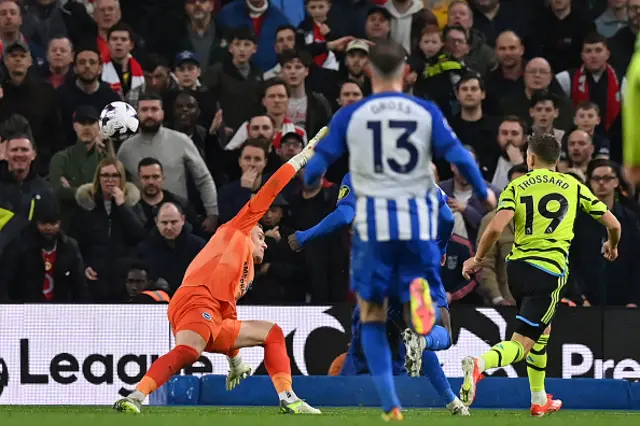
<point x="376" y="349"/>
<point x="431" y="368"/>
<point x="438" y="339"/>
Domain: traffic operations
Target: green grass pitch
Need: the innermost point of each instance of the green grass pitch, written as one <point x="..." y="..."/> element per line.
<point x="269" y="416"/>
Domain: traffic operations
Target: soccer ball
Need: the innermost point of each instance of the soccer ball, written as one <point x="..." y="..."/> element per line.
<point x="118" y="121"/>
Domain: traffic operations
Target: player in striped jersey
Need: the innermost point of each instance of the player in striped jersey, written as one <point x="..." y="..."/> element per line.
<point x="392" y="138"/>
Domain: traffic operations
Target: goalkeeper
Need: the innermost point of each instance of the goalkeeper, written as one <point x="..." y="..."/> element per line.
<point x="419" y="349"/>
<point x="203" y="313"/>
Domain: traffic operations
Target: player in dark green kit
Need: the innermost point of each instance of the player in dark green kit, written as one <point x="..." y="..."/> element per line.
<point x="544" y="204"/>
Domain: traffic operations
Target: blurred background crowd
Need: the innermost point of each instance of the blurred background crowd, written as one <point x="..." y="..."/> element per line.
<point x="226" y="91"/>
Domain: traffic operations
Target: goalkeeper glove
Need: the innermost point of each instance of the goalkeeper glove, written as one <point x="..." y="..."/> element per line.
<point x="238" y="371"/>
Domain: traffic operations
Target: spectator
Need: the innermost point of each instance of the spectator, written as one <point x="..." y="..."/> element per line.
<point x="121" y="70"/>
<point x="177" y="153"/>
<point x="481" y="57"/>
<point x="236" y="77"/>
<point x="252" y="161"/>
<point x="275" y="99"/>
<point x="467" y="208"/>
<point x="107" y="224"/>
<point x="317" y="29"/>
<point x="350" y="92"/>
<point x="142" y="287"/>
<point x="86" y="89"/>
<point x="493" y="281"/>
<point x="306" y="109"/>
<point x="285" y="40"/>
<point x="606" y="283"/>
<point x="57" y="69"/>
<point x="35" y="100"/>
<point x="10" y="25"/>
<point x="543" y="112"/>
<point x="511" y="140"/>
<point x="613" y="19"/>
<point x="473" y="126"/>
<point x="44" y="21"/>
<point x="107" y="14"/>
<point x="408" y="19"/>
<point x="22" y="191"/>
<point x="153" y="195"/>
<point x="580" y="148"/>
<point x="537" y="76"/>
<point x="187" y="72"/>
<point x="456" y="43"/>
<point x="595" y="81"/>
<point x="157" y="74"/>
<point x="44" y="265"/>
<point x="565" y="30"/>
<point x="279" y="278"/>
<point x="355" y="63"/>
<point x="171" y="247"/>
<point x="587" y="119"/>
<point x="623" y="42"/>
<point x="263" y="17"/>
<point x="201" y="33"/>
<point x="76" y="165"/>
<point x="378" y="24"/>
<point x="507" y="78"/>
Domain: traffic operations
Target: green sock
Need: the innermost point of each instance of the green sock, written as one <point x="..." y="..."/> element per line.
<point x="503" y="354"/>
<point x="537" y="364"/>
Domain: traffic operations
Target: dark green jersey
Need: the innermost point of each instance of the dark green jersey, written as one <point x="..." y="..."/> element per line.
<point x="545" y="205"/>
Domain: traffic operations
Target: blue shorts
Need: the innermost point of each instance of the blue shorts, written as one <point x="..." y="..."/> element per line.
<point x="384" y="270"/>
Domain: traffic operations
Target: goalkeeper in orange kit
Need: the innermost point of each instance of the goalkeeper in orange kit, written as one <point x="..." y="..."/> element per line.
<point x="203" y="313"/>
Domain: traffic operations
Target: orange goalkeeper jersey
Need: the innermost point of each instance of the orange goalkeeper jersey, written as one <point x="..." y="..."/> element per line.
<point x="225" y="264"/>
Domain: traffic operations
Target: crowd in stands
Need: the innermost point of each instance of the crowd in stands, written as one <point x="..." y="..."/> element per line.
<point x="226" y="91"/>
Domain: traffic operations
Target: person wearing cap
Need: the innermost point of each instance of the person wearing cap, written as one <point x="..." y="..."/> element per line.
<point x="378" y="24"/>
<point x="44" y="265"/>
<point x="187" y="73"/>
<point x="307" y="109"/>
<point x="236" y="80"/>
<point x="76" y="165"/>
<point x="187" y="70"/>
<point x="35" y="100"/>
<point x="264" y="17"/>
<point x="355" y="61"/>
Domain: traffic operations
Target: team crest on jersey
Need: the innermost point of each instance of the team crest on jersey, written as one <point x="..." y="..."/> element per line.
<point x="344" y="191"/>
<point x="206" y="315"/>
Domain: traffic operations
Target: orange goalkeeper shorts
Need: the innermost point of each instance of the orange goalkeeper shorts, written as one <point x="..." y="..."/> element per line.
<point x="194" y="309"/>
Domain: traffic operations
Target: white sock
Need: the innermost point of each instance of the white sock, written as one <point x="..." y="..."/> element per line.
<point x="288" y="396"/>
<point x="482" y="364"/>
<point x="137" y="395"/>
<point x="539" y="397"/>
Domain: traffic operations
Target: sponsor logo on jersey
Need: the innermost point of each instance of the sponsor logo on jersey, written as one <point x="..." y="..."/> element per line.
<point x="344" y="191"/>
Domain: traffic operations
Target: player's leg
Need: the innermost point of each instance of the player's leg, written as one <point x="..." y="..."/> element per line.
<point x="536" y="369"/>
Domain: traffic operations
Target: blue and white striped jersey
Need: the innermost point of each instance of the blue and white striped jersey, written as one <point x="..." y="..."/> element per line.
<point x="392" y="138"/>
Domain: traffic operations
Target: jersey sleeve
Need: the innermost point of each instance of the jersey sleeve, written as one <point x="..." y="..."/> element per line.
<point x="508" y="198"/>
<point x="329" y="149"/>
<point x="631" y="111"/>
<point x="346" y="197"/>
<point x="589" y="203"/>
<point x="253" y="211"/>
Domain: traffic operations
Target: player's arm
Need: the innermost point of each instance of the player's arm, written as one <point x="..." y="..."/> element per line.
<point x="506" y="211"/>
<point x="598" y="210"/>
<point x="445" y="226"/>
<point x="342" y="216"/>
<point x="253" y="211"/>
<point x="630" y="122"/>
<point x="333" y="146"/>
<point x="446" y="144"/>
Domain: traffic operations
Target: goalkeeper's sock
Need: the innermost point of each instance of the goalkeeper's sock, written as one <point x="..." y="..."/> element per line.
<point x="536" y="370"/>
<point x="164" y="368"/>
<point x="503" y="354"/>
<point x="277" y="362"/>
<point x="438" y="339"/>
<point x="431" y="368"/>
<point x="375" y="346"/>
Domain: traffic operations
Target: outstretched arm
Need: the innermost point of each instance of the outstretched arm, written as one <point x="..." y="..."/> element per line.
<point x="253" y="211"/>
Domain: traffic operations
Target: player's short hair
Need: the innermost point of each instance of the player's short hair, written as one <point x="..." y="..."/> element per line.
<point x="387" y="58"/>
<point x="545" y="146"/>
<point x="260" y="143"/>
<point x="149" y="161"/>
<point x="543" y="96"/>
<point x="150" y="96"/>
<point x="468" y="76"/>
<point x="518" y="168"/>
<point x="121" y="26"/>
<point x="587" y="105"/>
<point x="595" y="38"/>
<point x="516" y="119"/>
<point x="274" y="82"/>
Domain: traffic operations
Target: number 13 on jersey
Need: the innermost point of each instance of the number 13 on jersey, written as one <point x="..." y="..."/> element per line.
<point x="391" y="137"/>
